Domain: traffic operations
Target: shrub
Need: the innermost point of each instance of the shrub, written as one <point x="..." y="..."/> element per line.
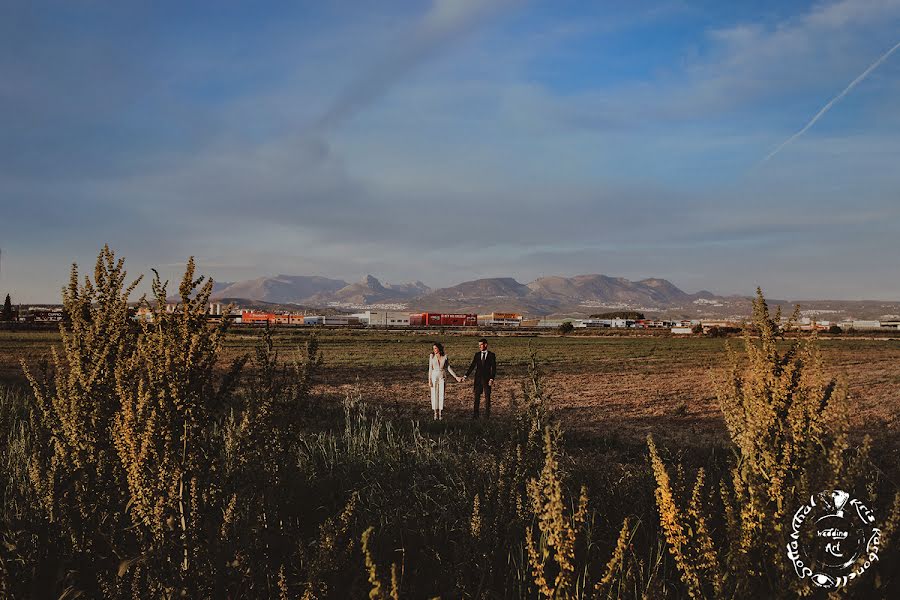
<point x="74" y="471"/>
<point x="170" y="398"/>
<point x="789" y="427"/>
<point x="720" y="332"/>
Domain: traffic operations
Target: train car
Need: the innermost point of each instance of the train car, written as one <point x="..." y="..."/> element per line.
<point x="459" y="320"/>
<point x="443" y="320"/>
<point x="425" y="319"/>
<point x="257" y="317"/>
<point x="497" y="319"/>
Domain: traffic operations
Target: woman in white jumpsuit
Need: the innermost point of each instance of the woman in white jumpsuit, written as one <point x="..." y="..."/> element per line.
<point x="438" y="365"/>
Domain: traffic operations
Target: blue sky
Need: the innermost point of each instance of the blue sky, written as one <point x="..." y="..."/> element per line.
<point x="450" y="140"/>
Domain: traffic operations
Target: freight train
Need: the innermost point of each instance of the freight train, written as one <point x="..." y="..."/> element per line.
<point x="442" y="320"/>
<point x="426" y="319"/>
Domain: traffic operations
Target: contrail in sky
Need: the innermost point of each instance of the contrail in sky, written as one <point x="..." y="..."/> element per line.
<point x="832" y="102"/>
<point x="445" y="22"/>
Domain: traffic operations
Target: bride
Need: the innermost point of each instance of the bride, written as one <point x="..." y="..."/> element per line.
<point x="438" y="365"/>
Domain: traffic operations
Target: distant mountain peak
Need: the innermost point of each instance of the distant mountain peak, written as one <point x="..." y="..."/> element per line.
<point x="550" y="294"/>
<point x="372" y="282"/>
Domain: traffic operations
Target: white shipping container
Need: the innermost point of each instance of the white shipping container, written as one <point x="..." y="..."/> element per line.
<point x="340" y="320"/>
<point x="385" y="318"/>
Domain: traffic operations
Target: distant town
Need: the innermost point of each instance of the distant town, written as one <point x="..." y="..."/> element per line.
<point x="623" y="320"/>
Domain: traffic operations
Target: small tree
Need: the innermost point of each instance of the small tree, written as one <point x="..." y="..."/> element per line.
<point x="566" y="327"/>
<point x="7" y="314"/>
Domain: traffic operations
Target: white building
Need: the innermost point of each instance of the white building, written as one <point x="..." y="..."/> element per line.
<point x="383" y="318"/>
<point x="597" y="322"/>
<point x="338" y="320"/>
<point x="622" y="323"/>
<point x="860" y="324"/>
<point x="558" y="322"/>
<point x="496" y="319"/>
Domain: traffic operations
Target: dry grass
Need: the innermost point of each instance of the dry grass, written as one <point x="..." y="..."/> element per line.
<point x="631" y="385"/>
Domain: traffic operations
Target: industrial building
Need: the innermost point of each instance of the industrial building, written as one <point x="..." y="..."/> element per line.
<point x="383" y="318"/>
<point x="497" y="319"/>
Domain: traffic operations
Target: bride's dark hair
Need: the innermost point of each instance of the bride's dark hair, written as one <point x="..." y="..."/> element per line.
<point x="440" y="348"/>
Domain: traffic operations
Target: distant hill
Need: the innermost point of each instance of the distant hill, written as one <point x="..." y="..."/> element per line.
<point x="281" y="289"/>
<point x="371" y="291"/>
<point x="217" y="288"/>
<point x="482" y="289"/>
<point x="580" y="295"/>
<point x="497" y="293"/>
<point x="603" y="289"/>
<point x="321" y="291"/>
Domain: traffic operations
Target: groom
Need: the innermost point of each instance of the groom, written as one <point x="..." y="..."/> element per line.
<point x="484" y="363"/>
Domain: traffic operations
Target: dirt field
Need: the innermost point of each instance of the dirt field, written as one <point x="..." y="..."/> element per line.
<point x="623" y="387"/>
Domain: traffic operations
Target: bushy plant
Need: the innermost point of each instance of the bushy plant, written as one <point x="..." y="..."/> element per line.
<point x="789" y="425"/>
<point x="552" y="556"/>
<point x="74" y="470"/>
<point x="151" y="476"/>
<point x="170" y="397"/>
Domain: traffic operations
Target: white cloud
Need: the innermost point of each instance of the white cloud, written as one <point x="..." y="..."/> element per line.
<point x="473" y="156"/>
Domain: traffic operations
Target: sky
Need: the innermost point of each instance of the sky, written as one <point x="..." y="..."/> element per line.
<point x="449" y="140"/>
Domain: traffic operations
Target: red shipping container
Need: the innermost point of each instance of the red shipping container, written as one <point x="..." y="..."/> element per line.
<point x="442" y="320"/>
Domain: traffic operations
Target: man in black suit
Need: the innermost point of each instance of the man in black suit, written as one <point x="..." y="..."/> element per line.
<point x="484" y="363"/>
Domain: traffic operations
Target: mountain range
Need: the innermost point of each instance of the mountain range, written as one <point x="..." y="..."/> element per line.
<point x="581" y="294"/>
